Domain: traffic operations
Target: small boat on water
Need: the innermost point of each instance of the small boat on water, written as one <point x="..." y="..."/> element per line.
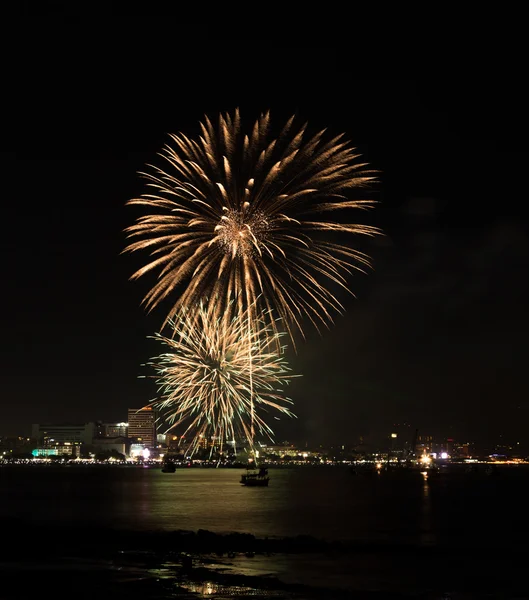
<point x="255" y="477"/>
<point x="169" y="467"/>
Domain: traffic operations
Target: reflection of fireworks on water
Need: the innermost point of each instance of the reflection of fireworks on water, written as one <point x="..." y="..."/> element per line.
<point x="243" y="216"/>
<point x="217" y="375"/>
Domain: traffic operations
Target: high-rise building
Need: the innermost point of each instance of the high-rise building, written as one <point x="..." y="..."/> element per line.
<point x="142" y="426"/>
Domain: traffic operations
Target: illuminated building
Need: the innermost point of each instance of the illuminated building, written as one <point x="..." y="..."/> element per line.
<point x="112" y="430"/>
<point x="282" y="450"/>
<point x="45" y="452"/>
<point x="424" y="445"/>
<point x="142" y="426"/>
<point x="455" y="449"/>
<point x="462" y="450"/>
<point x="49" y="435"/>
<point x="173" y="442"/>
<point x="66" y="449"/>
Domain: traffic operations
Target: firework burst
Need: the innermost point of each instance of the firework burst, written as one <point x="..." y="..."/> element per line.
<point x="217" y="375"/>
<point x="250" y="217"/>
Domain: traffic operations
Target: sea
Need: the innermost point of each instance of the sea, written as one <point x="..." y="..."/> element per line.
<point x="314" y="532"/>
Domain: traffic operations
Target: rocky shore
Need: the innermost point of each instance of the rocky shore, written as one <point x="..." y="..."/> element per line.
<point x="100" y="564"/>
<point x="96" y="563"/>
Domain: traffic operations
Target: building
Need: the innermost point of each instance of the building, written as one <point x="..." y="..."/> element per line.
<point x="459" y="450"/>
<point x="112" y="430"/>
<point x="424" y="445"/>
<point x="49" y="435"/>
<point x="175" y="445"/>
<point x="118" y="445"/>
<point x="63" y="449"/>
<point x="142" y="426"/>
<point x="14" y="446"/>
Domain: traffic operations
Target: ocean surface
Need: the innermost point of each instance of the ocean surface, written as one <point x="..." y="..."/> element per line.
<point x="459" y="535"/>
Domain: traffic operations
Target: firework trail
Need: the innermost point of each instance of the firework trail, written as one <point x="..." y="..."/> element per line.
<point x="251" y="217"/>
<point x="216" y="376"/>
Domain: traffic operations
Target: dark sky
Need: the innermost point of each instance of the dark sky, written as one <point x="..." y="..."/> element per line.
<point x="437" y="334"/>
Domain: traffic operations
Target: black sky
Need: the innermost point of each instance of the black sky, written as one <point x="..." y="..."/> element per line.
<point x="436" y="336"/>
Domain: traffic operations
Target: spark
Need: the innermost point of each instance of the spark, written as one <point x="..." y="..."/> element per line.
<point x="217" y="377"/>
<point x="246" y="217"/>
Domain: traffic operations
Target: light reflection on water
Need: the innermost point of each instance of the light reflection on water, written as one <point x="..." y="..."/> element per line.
<point x="411" y="524"/>
<point x="327" y="503"/>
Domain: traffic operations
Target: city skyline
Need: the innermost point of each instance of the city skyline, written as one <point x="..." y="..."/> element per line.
<point x="400" y="435"/>
<point x="436" y="333"/>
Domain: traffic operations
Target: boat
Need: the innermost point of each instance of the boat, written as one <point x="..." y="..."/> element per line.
<point x="169" y="467"/>
<point x="255" y="477"/>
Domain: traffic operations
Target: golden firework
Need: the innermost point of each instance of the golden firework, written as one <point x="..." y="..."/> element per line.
<point x="249" y="217"/>
<point x="216" y="376"/>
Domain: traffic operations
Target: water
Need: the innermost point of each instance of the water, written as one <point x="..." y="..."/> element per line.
<point x="323" y="502"/>
<point x="407" y="533"/>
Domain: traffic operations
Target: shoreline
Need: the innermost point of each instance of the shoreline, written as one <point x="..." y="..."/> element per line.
<point x="193" y="564"/>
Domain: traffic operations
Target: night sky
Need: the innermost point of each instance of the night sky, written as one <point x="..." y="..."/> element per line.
<point x="437" y="334"/>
